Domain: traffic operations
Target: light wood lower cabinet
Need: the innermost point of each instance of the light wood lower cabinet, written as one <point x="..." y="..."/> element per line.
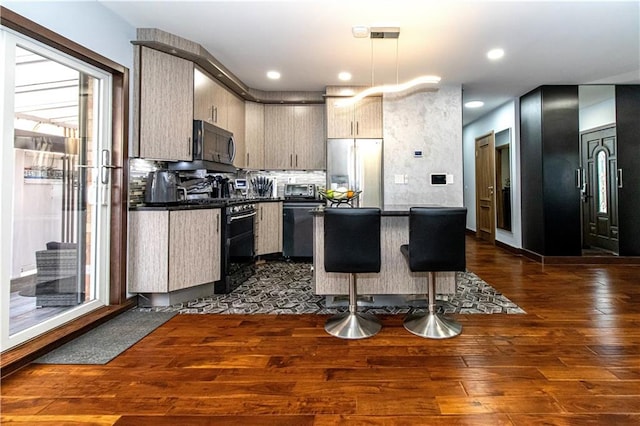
<point x="269" y="228"/>
<point x="173" y="250"/>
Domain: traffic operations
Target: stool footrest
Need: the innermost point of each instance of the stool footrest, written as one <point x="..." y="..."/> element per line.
<point x="432" y="326"/>
<point x="352" y="325"/>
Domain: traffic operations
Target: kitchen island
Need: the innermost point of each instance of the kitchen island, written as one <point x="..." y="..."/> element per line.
<point x="394" y="278"/>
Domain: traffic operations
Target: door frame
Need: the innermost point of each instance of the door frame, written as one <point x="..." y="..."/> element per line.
<point x="118" y="183"/>
<point x="491" y="165"/>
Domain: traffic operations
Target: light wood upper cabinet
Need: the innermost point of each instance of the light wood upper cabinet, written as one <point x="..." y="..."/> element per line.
<point x="164" y="122"/>
<point x="309" y="135"/>
<point x="279" y="137"/>
<point x="269" y="228"/>
<point x="362" y="120"/>
<point x="215" y="104"/>
<point x="172" y="250"/>
<point x="210" y="100"/>
<point x="254" y="135"/>
<point x="236" y="125"/>
<point x="294" y="137"/>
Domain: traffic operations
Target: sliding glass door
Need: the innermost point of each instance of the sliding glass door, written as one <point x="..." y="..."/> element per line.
<point x="56" y="156"/>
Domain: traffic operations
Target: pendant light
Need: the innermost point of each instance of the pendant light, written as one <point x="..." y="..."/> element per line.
<point x="380" y="33"/>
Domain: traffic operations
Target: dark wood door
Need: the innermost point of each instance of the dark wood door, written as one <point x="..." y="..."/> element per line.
<point x="485" y="184"/>
<point x="599" y="189"/>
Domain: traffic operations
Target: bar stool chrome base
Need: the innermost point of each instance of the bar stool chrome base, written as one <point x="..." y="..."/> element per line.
<point x="432" y="326"/>
<point x="353" y="325"/>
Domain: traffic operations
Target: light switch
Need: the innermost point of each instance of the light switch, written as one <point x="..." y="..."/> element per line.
<point x="399" y="179"/>
<point x="449" y="179"/>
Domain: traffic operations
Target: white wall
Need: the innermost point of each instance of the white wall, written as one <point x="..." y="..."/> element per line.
<point x="431" y="122"/>
<point x="503" y="117"/>
<point x="598" y="115"/>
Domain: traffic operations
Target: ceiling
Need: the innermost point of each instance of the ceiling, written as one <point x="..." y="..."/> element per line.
<point x="310" y="41"/>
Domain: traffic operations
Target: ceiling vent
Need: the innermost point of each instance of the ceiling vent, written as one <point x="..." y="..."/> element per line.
<point x="384" y="32"/>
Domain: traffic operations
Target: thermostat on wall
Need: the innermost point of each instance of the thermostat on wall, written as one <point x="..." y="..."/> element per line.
<point x="438" y="178"/>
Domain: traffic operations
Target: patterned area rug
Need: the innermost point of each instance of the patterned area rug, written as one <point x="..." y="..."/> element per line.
<point x="286" y="288"/>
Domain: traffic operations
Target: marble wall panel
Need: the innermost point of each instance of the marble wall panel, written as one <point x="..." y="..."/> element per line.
<point x="429" y="121"/>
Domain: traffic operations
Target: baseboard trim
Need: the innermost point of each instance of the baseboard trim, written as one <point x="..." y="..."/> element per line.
<point x="591" y="260"/>
<point x="510" y="249"/>
<point x="22" y="355"/>
<point x="581" y="260"/>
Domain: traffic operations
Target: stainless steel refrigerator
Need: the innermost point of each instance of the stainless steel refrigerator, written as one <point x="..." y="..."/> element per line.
<point x="356" y="164"/>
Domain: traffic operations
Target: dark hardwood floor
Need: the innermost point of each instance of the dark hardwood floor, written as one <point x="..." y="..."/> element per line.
<point x="573" y="359"/>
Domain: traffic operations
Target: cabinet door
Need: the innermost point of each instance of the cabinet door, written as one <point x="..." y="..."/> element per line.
<point x="148" y="247"/>
<point x="166" y="106"/>
<point x="211" y="99"/>
<point x="278" y="137"/>
<point x="254" y="135"/>
<point x="236" y="125"/>
<point x="368" y="118"/>
<point x="216" y="258"/>
<point x="269" y="238"/>
<point x="309" y="136"/>
<point x="339" y="120"/>
<point x="192" y="247"/>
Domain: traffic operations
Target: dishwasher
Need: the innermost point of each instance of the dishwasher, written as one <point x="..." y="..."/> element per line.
<point x="297" y="222"/>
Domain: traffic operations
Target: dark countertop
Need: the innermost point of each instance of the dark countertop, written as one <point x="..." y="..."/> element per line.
<point x="213" y="205"/>
<point x="305" y="200"/>
<point x="391" y="210"/>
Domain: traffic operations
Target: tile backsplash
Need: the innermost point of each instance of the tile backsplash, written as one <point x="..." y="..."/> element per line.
<point x="140" y="168"/>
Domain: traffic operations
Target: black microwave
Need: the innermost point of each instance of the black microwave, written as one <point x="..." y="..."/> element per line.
<point x="211" y="143"/>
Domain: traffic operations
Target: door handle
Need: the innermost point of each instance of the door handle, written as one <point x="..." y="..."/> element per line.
<point x="105" y="167"/>
<point x="619" y="178"/>
<point x="578" y="178"/>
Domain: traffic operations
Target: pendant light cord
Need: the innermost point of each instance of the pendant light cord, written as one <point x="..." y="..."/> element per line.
<point x="371" y="62"/>
<point x="397" y="66"/>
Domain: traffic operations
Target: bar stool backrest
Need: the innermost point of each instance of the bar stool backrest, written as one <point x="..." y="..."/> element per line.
<point x="352" y="240"/>
<point x="437" y="238"/>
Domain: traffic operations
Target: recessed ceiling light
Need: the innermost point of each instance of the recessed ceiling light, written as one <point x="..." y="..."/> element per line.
<point x="273" y="75"/>
<point x="344" y="76"/>
<point x="474" y="104"/>
<point x="360" y="31"/>
<point x="494" y="54"/>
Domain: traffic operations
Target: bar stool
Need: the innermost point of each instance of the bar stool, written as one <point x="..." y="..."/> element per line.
<point x="352" y="245"/>
<point x="436" y="243"/>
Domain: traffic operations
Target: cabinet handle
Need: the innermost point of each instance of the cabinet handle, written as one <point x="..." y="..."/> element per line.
<point x="189" y="145"/>
<point x="216" y="119"/>
<point x="357" y="127"/>
<point x="261" y="212"/>
<point x="247" y="159"/>
<point x="217" y="223"/>
<point x="351" y="128"/>
<point x="290" y="160"/>
<point x="296" y="160"/>
<point x="211" y="114"/>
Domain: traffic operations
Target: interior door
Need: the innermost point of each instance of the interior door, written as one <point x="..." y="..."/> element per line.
<point x="599" y="189"/>
<point x="485" y="184"/>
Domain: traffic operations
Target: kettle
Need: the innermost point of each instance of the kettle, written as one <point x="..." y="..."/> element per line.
<point x="162" y="188"/>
